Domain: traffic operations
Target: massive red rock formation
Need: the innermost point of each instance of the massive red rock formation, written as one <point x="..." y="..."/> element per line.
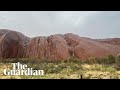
<point x="55" y="47"/>
<point x="12" y="44"/>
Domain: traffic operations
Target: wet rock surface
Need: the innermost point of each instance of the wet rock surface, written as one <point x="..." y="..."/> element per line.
<point x="54" y="47"/>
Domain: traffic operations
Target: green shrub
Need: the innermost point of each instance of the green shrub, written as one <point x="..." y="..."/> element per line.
<point x="92" y="60"/>
<point x="117" y="59"/>
<point x="72" y="59"/>
<point x="104" y="60"/>
<point x="111" y="59"/>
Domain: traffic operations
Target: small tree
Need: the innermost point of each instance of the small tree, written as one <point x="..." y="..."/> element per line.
<point x="117" y="60"/>
<point x="111" y="59"/>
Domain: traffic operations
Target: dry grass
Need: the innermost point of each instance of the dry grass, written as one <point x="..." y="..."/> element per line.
<point x="68" y="69"/>
<point x="4" y="66"/>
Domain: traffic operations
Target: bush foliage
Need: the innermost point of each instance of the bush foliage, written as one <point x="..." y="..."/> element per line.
<point x="72" y="68"/>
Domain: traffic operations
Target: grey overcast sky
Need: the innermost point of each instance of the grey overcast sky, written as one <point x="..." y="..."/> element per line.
<point x="92" y="24"/>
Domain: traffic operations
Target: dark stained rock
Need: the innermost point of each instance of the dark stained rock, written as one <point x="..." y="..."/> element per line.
<point x="11" y="44"/>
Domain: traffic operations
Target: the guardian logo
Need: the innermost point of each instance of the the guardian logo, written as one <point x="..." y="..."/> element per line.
<point x="19" y="69"/>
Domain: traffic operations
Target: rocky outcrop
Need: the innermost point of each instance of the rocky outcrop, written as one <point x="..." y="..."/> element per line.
<point x="90" y="48"/>
<point x="55" y="47"/>
<point x="11" y="44"/>
<point x="84" y="48"/>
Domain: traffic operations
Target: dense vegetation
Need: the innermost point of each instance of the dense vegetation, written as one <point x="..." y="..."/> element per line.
<point x="73" y="68"/>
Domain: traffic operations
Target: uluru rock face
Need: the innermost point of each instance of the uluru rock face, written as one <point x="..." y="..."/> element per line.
<point x="90" y="48"/>
<point x="11" y="44"/>
<point x="54" y="47"/>
<point x="84" y="48"/>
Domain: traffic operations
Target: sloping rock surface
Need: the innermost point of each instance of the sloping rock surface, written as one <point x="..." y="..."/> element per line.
<point x="54" y="47"/>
